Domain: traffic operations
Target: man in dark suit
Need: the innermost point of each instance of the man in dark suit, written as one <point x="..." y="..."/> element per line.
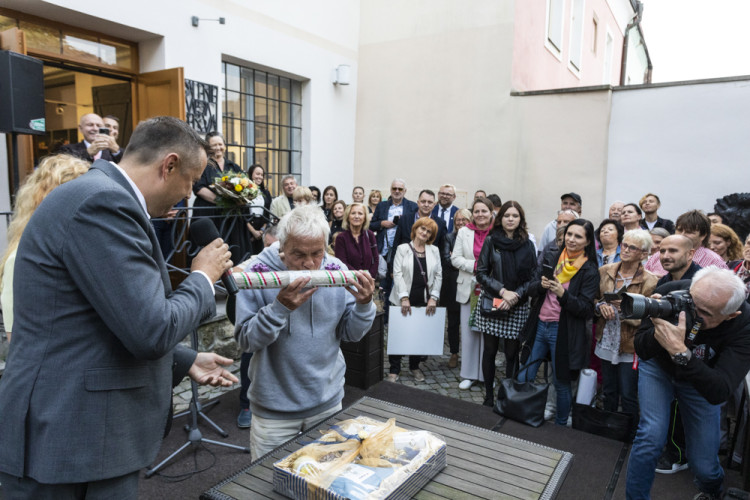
<point x="95" y="145"/>
<point x="425" y="202"/>
<point x="87" y="387"/>
<point x="445" y="209"/>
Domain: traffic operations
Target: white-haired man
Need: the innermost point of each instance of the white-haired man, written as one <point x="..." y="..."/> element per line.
<point x="701" y="368"/>
<point x="294" y="333"/>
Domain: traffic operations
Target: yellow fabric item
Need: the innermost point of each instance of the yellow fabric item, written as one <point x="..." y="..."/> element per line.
<point x="568" y="265"/>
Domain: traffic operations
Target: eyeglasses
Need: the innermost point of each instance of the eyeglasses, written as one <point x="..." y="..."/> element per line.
<point x="445" y="194"/>
<point x="397" y="189"/>
<point x="630" y="248"/>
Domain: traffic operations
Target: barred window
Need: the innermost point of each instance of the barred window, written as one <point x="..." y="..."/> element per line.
<point x="262" y="122"/>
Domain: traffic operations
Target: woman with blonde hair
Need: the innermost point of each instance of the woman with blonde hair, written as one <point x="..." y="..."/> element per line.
<point x="355" y="245"/>
<point x="52" y="172"/>
<point x="373" y="199"/>
<point x="725" y="242"/>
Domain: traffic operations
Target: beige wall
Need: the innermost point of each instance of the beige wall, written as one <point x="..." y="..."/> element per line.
<point x="560" y="146"/>
<point x="434" y="86"/>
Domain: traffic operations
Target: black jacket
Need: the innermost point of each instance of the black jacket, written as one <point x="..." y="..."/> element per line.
<point x="577" y="303"/>
<point x="492" y="276"/>
<point x="663" y="223"/>
<point x="715" y="378"/>
<point x="450" y="273"/>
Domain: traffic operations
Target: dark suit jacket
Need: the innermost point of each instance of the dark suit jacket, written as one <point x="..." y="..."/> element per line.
<point x="436" y="214"/>
<point x="88" y="381"/>
<point x="79" y="150"/>
<point x="665" y="223"/>
<point x="381" y="214"/>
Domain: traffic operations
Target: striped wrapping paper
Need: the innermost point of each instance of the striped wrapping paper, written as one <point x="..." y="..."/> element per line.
<point x="280" y="279"/>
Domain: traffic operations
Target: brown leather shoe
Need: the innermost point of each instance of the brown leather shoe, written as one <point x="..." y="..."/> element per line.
<point x="453" y="362"/>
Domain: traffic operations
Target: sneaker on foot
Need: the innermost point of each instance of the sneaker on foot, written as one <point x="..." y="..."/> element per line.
<point x="244" y="418"/>
<point x="466" y="384"/>
<point x="392" y="377"/>
<point x="666" y="466"/>
<point x="418" y="375"/>
<point x="549" y="414"/>
<point x="453" y="362"/>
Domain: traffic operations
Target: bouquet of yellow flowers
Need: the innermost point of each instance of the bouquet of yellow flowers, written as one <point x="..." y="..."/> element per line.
<point x="234" y="189"/>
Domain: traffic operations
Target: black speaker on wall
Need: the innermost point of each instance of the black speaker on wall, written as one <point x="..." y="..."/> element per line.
<point x="21" y="94"/>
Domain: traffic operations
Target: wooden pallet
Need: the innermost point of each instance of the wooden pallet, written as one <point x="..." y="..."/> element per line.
<point x="481" y="464"/>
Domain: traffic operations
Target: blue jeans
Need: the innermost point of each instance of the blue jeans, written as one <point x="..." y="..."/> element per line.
<point x="702" y="432"/>
<point x="546" y="342"/>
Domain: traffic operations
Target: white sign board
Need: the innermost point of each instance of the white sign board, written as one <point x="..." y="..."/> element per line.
<point x="416" y="333"/>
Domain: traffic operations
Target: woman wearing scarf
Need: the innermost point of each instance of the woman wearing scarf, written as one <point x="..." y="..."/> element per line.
<point x="506" y="267"/>
<point x="614" y="334"/>
<point x="469" y="243"/>
<point x="561" y="306"/>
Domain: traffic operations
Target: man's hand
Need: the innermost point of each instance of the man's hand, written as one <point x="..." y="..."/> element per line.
<point x="294" y="294"/>
<point x="214" y="259"/>
<point x="111" y="143"/>
<point x="208" y="369"/>
<point x="387" y="224"/>
<point x="670" y="337"/>
<point x="363" y="288"/>
<point x="100" y="143"/>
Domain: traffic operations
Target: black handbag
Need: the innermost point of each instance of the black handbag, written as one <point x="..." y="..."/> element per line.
<point x="523" y="402"/>
<point x="608" y="424"/>
<point x="486" y="309"/>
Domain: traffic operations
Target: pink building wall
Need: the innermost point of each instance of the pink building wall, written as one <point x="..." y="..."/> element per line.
<point x="535" y="67"/>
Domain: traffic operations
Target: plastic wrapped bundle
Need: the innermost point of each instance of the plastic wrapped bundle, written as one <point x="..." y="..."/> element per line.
<point x="280" y="279"/>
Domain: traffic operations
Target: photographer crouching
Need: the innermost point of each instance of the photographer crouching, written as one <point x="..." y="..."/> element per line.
<point x="699" y="357"/>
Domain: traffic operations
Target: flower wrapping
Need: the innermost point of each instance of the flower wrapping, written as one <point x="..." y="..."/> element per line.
<point x="234" y="189"/>
<point x="361" y="459"/>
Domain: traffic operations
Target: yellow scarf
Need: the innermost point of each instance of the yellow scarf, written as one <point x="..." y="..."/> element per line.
<point x="568" y="265"/>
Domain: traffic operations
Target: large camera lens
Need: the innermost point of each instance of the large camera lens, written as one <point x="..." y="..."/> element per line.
<point x="634" y="306"/>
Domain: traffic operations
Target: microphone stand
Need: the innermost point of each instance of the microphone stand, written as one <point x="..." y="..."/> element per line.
<point x="195" y="437"/>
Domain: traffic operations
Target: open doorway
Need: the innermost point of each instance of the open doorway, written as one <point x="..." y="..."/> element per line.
<point x="70" y="93"/>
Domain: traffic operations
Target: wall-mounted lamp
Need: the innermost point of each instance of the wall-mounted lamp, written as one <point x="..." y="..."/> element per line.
<point x="341" y="75"/>
<point x="195" y="20"/>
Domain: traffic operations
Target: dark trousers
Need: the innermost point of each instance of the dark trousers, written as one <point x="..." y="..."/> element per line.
<point x="491" y="346"/>
<point x="453" y="312"/>
<point x="244" y="379"/>
<point x="121" y="487"/>
<point x="620" y="384"/>
<point x="395" y="362"/>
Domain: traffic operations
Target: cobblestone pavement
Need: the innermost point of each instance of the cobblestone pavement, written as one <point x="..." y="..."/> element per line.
<point x="438" y="379"/>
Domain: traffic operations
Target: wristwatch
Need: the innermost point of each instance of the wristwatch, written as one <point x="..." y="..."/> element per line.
<point x="682" y="358"/>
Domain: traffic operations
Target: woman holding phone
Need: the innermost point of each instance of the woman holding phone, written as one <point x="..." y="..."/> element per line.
<point x="562" y="305"/>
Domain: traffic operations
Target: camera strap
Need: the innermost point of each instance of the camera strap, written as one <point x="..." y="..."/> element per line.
<point x="690" y="339"/>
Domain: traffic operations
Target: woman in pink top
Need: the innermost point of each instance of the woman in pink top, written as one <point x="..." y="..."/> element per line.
<point x="562" y="305"/>
<point x="469" y="241"/>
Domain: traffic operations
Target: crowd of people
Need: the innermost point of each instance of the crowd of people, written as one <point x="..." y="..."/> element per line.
<point x="557" y="298"/>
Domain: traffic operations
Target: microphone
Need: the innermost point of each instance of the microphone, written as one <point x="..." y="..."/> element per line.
<point x="203" y="232"/>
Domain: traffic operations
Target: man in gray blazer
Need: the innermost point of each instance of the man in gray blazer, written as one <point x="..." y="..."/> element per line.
<point x="87" y="387"/>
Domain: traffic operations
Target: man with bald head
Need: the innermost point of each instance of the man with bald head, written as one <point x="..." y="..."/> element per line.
<point x="701" y="366"/>
<point x="676" y="256"/>
<point x="95" y="145"/>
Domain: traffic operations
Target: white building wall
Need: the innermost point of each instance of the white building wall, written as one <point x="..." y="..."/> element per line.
<point x="297" y="38"/>
<point x="685" y="142"/>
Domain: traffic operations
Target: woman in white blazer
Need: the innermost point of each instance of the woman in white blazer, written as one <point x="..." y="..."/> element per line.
<point x="417" y="278"/>
<point x="469" y="243"/>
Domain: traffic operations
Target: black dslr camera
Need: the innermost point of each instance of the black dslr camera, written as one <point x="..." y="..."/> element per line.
<point x="634" y="306"/>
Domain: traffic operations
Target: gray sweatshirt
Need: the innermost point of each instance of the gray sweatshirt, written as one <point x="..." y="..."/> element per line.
<point x="297" y="369"/>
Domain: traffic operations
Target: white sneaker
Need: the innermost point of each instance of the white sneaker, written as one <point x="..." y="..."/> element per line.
<point x="549" y="414"/>
<point x="466" y="384"/>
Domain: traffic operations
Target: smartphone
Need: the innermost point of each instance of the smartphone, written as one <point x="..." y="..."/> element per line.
<point x="496" y="303"/>
<point x="396" y="219"/>
<point x="548" y="271"/>
<point x="104" y="131"/>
